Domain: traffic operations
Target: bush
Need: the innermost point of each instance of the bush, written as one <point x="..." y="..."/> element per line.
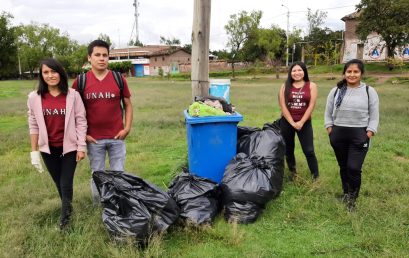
<point x="122" y="67"/>
<point x="393" y="62"/>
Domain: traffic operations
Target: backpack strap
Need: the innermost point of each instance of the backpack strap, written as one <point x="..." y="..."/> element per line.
<point x="119" y="81"/>
<point x="81" y="81"/>
<point x="335" y="93"/>
<point x="367" y="93"/>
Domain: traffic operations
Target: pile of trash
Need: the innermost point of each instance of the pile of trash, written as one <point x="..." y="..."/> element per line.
<point x="134" y="208"/>
<point x="255" y="175"/>
<point x="210" y="106"/>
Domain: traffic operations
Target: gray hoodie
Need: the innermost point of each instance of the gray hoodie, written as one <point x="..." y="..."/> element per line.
<point x="354" y="111"/>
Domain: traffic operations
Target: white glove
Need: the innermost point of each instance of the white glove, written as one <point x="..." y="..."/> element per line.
<point x="35" y="161"/>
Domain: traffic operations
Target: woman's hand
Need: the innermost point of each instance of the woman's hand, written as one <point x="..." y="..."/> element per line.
<point x="298" y="125"/>
<point x="369" y="134"/>
<point x="329" y="130"/>
<point x="80" y="156"/>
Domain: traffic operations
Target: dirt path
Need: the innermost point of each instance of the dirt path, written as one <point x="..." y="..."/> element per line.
<point x="383" y="77"/>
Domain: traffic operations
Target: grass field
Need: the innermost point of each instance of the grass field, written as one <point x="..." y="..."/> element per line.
<point x="306" y="220"/>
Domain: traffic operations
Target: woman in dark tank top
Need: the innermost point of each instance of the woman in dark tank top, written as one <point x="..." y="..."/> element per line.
<point x="297" y="100"/>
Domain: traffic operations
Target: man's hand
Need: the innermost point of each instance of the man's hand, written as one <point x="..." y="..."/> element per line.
<point x="90" y="139"/>
<point x="121" y="135"/>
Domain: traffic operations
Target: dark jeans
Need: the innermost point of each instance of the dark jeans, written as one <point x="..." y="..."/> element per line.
<point x="61" y="168"/>
<point x="350" y="145"/>
<point x="305" y="136"/>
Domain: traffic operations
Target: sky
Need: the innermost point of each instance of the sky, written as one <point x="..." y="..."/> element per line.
<point x="84" y="20"/>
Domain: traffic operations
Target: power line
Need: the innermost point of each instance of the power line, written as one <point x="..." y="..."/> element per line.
<point x="323" y="9"/>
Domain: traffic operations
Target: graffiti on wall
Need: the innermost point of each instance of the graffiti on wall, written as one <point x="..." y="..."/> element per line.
<point x="403" y="52"/>
<point x="374" y="48"/>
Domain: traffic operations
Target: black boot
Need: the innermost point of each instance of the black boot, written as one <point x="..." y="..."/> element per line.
<point x="351" y="201"/>
<point x="66" y="211"/>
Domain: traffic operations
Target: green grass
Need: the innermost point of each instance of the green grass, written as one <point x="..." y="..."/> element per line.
<point x="305" y="221"/>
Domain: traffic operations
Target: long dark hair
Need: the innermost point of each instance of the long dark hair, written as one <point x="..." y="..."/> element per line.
<point x="289" y="82"/>
<point x="56" y="66"/>
<point x="360" y="65"/>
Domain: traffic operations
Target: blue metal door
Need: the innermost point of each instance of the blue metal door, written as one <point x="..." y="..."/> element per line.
<point x="139" y="70"/>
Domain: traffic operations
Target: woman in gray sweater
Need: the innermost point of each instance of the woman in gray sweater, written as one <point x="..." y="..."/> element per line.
<point x="351" y="119"/>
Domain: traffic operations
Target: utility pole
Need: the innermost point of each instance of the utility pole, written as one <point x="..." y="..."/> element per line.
<point x="135" y="4"/>
<point x="19" y="64"/>
<point x="200" y="48"/>
<point x="286" y="33"/>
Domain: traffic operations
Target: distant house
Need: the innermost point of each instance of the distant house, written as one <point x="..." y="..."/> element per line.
<point x="150" y="59"/>
<point x="372" y="49"/>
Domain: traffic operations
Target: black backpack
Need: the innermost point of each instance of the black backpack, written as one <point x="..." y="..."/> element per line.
<point x="82" y="80"/>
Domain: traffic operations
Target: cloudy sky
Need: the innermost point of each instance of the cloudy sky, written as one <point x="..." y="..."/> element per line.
<point x="84" y="20"/>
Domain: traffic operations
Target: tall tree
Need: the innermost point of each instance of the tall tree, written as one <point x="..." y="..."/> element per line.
<point x="107" y="39"/>
<point x="316" y="35"/>
<point x="187" y="48"/>
<point x="272" y="43"/>
<point x="35" y="42"/>
<point x="388" y="18"/>
<point x="240" y="28"/>
<point x="8" y="47"/>
<point x="135" y="43"/>
<point x="169" y="41"/>
<point x="73" y="57"/>
<point x="315" y="19"/>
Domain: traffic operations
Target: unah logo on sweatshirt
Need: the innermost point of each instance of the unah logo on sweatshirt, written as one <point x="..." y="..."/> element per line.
<point x="54" y="112"/>
<point x="100" y="95"/>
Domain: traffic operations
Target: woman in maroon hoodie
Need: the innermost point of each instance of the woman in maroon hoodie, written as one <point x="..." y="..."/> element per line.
<point x="58" y="126"/>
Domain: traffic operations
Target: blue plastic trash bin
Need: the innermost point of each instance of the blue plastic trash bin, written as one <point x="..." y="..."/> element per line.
<point x="211" y="144"/>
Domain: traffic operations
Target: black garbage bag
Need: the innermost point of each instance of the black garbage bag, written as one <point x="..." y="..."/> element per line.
<point x="196" y="197"/>
<point x="242" y="212"/>
<point x="132" y="207"/>
<point x="244" y="131"/>
<point x="249" y="179"/>
<point x="267" y="143"/>
<point x="247" y="185"/>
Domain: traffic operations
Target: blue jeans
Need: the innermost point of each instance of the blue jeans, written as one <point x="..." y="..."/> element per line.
<point x="97" y="153"/>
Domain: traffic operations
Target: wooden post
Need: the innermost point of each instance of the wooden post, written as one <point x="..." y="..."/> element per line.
<point x="200" y="48"/>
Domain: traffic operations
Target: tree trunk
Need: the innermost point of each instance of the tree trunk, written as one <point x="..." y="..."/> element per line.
<point x="200" y="48"/>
